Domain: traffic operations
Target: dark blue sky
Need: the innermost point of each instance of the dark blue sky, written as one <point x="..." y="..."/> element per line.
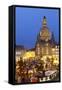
<point x="29" y="22"/>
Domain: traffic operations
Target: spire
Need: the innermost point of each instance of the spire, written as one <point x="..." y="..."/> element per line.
<point x="52" y="39"/>
<point x="44" y="21"/>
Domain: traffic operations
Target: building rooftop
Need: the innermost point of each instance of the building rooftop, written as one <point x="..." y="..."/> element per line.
<point x="20" y="47"/>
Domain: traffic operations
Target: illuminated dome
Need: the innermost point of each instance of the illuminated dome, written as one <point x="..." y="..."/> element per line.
<point x="44" y="33"/>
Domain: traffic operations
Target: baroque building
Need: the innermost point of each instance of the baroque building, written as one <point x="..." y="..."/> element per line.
<point x="45" y="41"/>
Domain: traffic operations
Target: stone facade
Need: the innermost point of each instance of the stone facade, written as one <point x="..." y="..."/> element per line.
<point x="45" y="40"/>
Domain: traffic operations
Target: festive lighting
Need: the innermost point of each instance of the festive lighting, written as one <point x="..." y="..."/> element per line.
<point x="29" y="54"/>
<point x="56" y="62"/>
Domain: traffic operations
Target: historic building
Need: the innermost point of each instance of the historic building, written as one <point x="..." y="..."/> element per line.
<point x="42" y="59"/>
<point x="20" y="50"/>
<point x="46" y="44"/>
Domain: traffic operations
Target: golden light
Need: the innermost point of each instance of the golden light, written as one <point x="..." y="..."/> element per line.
<point x="17" y="58"/>
<point x="56" y="62"/>
<point x="29" y="54"/>
<point x="50" y="57"/>
<point x="30" y="71"/>
<point x="17" y="67"/>
<point x="44" y="58"/>
<point x="53" y="49"/>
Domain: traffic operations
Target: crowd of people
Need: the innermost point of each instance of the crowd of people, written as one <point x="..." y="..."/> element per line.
<point x="30" y="70"/>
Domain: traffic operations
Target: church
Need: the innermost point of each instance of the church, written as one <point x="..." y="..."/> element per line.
<point x="44" y="57"/>
<point x="46" y="44"/>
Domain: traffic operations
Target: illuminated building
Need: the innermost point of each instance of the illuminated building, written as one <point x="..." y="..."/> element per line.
<point x="44" y="57"/>
<point x="28" y="54"/>
<point x="46" y="44"/>
<point x="20" y="50"/>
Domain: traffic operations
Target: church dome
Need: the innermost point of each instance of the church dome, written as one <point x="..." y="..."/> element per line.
<point x="44" y="33"/>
